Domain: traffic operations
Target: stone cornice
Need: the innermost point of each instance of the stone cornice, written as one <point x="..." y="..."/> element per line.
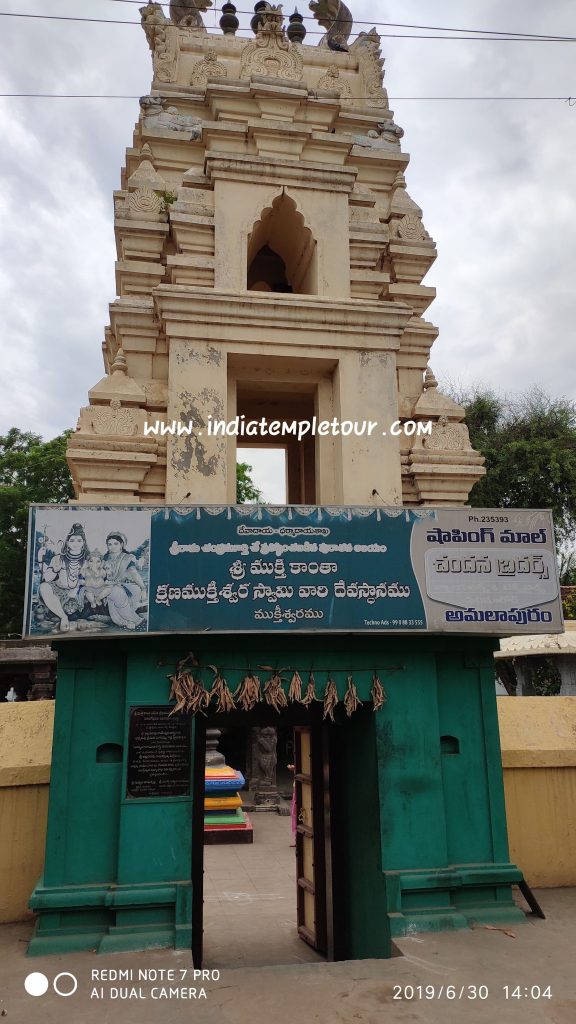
<point x="203" y="312"/>
<point x="300" y="173"/>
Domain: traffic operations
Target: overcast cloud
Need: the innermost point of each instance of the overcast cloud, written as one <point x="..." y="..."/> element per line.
<point x="496" y="182"/>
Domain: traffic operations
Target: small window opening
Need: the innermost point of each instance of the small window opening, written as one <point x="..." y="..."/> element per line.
<point x="449" y="745"/>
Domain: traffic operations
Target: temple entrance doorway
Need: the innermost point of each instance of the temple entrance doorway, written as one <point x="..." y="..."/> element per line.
<point x="266" y="896"/>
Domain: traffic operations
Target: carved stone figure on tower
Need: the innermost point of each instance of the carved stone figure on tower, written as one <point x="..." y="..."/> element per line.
<point x="271" y="53"/>
<point x="334" y="16"/>
<point x="186" y="13"/>
<point x="169" y="118"/>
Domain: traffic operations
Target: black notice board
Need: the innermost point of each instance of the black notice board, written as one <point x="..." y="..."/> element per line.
<point x="158" y="752"/>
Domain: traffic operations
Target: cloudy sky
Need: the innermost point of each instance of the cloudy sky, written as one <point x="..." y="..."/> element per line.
<point x="496" y="181"/>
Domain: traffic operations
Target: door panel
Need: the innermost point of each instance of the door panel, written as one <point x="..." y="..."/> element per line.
<point x="310" y="846"/>
<point x="198" y="726"/>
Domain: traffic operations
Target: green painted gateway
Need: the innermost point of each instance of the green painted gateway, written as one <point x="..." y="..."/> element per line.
<point x="408" y="829"/>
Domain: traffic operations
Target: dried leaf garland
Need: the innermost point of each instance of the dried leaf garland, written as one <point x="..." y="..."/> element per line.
<point x="273" y="692"/>
<point x="248" y="693"/>
<point x="295" y="689"/>
<point x="220" y="690"/>
<point x="189" y="694"/>
<point x="310" y="694"/>
<point x="177" y="693"/>
<point x="378" y="695"/>
<point x="330" y="699"/>
<point x="351" y="699"/>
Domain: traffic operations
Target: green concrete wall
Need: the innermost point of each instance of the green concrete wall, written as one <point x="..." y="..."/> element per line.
<point x="423" y="830"/>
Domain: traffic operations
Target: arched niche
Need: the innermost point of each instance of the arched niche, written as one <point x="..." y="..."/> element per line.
<point x="282" y="251"/>
<point x="109" y="753"/>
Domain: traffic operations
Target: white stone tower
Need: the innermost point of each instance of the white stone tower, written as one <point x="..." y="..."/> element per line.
<point x="270" y="262"/>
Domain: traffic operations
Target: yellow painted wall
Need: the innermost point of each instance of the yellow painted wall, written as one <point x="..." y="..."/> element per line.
<point x="25" y="755"/>
<point x="538" y="740"/>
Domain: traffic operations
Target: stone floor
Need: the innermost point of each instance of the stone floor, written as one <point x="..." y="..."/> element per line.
<point x="249" y="923"/>
<point x="250" y="900"/>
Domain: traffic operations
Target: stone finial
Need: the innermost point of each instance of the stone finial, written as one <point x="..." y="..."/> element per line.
<point x="118" y="386"/>
<point x="229" y="22"/>
<point x="433" y="404"/>
<point x="119" y="365"/>
<point x="296" y="30"/>
<point x="146" y="175"/>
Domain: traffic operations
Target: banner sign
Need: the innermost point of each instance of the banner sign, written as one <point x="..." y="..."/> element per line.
<point x="259" y="568"/>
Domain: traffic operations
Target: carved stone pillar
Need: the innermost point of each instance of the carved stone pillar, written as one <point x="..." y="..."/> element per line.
<point x="42" y="680"/>
<point x="213" y="756"/>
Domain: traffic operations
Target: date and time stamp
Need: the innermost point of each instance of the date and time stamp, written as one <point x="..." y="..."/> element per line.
<point x="472" y="993"/>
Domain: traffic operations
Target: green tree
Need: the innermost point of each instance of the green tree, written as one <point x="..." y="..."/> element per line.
<point x="31" y="470"/>
<point x="529" y="443"/>
<point x="36" y="471"/>
<point x="245" y="487"/>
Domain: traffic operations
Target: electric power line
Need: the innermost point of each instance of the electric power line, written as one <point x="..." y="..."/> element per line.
<point x="571" y="100"/>
<point x="502" y="38"/>
<point x="394" y="24"/>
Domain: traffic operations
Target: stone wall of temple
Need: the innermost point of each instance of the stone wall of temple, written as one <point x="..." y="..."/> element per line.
<point x="270" y="258"/>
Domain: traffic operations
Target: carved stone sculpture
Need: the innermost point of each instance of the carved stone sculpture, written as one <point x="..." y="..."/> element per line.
<point x="186" y="13"/>
<point x="263" y="776"/>
<point x="332" y="82"/>
<point x="371" y="67"/>
<point x="161" y="42"/>
<point x="267" y="741"/>
<point x="387" y="136"/>
<point x="208" y="67"/>
<point x="169" y="119"/>
<point x="448" y="436"/>
<point x="334" y="16"/>
<point x="391" y="132"/>
<point x="271" y="54"/>
<point x="154" y="23"/>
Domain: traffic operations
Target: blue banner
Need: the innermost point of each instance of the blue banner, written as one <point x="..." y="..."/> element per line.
<point x="249" y="568"/>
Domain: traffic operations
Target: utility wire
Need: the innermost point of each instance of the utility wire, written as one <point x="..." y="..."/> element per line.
<point x="388" y="35"/>
<point x="571" y="100"/>
<point x="394" y="24"/>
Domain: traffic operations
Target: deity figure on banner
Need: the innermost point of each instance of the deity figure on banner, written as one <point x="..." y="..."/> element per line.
<point x="127" y="586"/>
<point x="61" y="589"/>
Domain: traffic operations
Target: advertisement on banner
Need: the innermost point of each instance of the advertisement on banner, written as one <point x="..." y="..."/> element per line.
<point x="258" y="568"/>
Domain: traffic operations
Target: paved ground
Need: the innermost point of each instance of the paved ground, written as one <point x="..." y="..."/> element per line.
<point x="249" y="922"/>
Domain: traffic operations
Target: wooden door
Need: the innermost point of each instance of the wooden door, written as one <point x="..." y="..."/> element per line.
<point x="310" y="837"/>
<point x="198" y="726"/>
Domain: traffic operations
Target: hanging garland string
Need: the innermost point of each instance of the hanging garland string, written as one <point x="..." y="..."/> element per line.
<point x="191" y="696"/>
